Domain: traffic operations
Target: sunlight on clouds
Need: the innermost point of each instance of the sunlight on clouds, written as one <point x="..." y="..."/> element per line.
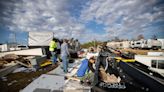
<point x="119" y="17"/>
<point x="136" y="14"/>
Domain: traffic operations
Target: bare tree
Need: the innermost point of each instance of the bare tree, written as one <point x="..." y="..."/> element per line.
<point x="154" y="37"/>
<point x="116" y="39"/>
<point x="139" y="37"/>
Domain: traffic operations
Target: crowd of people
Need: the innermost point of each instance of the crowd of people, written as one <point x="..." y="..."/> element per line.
<point x="62" y="49"/>
<point x="90" y="65"/>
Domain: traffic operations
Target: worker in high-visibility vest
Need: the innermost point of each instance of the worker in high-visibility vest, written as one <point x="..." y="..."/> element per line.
<point x="52" y="49"/>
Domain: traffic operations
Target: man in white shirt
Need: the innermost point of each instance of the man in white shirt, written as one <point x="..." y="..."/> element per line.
<point x="64" y="55"/>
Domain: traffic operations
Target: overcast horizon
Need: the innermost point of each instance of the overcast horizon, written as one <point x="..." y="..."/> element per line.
<point x="85" y="20"/>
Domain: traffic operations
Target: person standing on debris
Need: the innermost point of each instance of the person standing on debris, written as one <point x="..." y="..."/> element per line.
<point x="72" y="44"/>
<point x="52" y="49"/>
<point x="64" y="55"/>
<point x="77" y="45"/>
<point x="58" y="49"/>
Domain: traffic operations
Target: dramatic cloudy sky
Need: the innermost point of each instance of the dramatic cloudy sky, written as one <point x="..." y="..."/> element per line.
<point x="82" y="19"/>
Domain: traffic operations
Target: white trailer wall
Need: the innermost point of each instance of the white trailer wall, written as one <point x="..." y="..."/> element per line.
<point x="114" y="44"/>
<point x="162" y="41"/>
<point x="146" y="59"/>
<point x="126" y="44"/>
<point x="4" y="47"/>
<point x="39" y="38"/>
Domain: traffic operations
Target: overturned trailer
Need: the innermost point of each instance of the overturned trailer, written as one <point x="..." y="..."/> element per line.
<point x="135" y="77"/>
<point x="154" y="60"/>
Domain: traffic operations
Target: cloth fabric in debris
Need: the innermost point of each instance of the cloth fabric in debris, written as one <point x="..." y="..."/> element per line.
<point x="88" y="79"/>
<point x="89" y="55"/>
<point x="83" y="68"/>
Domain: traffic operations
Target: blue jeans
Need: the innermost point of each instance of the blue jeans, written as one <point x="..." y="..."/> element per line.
<point x="65" y="63"/>
<point x="53" y="57"/>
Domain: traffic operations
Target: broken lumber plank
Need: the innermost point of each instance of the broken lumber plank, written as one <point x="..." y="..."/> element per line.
<point x="73" y="78"/>
<point x="9" y="69"/>
<point x="35" y="52"/>
<point x="23" y="64"/>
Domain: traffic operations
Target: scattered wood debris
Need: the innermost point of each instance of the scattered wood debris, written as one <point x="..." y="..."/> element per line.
<point x="108" y="78"/>
<point x="10" y="59"/>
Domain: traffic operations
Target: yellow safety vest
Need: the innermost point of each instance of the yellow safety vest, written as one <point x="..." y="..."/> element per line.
<point x="52" y="45"/>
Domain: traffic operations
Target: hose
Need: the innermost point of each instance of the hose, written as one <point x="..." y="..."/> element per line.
<point x="106" y="66"/>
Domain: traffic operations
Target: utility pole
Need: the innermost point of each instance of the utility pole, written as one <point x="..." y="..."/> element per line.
<point x="94" y="43"/>
<point x="13" y="42"/>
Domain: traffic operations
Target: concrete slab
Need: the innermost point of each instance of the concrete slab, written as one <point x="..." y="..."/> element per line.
<point x="57" y="71"/>
<point x="45" y="81"/>
<point x="75" y="86"/>
<point x="41" y="90"/>
<point x="71" y="70"/>
<point x="57" y="91"/>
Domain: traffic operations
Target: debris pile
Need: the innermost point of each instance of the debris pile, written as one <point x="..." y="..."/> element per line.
<point x="2" y="63"/>
<point x="12" y="59"/>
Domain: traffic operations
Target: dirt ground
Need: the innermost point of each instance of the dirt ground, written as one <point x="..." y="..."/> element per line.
<point x="17" y="81"/>
<point x="139" y="51"/>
